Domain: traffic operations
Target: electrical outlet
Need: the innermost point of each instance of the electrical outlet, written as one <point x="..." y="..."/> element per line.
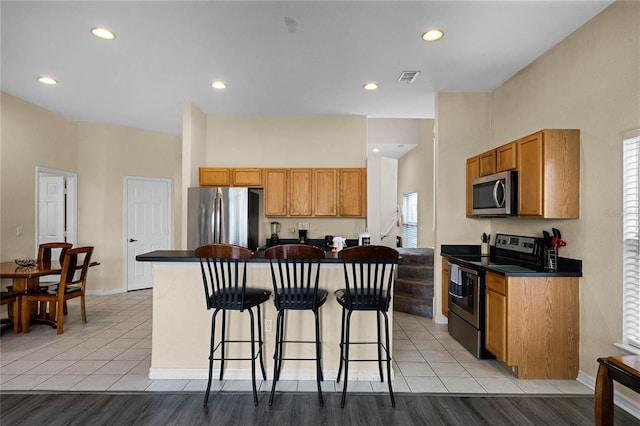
<point x="303" y="226"/>
<point x="268" y="326"/>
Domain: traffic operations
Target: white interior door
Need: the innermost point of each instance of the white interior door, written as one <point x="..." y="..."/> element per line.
<point x="148" y="226"/>
<point x="51" y="210"/>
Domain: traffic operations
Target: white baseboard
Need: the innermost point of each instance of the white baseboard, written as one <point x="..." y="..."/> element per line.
<point x="627" y="404"/>
<point x="245" y="374"/>
<point x="441" y="319"/>
<point x="104" y="292"/>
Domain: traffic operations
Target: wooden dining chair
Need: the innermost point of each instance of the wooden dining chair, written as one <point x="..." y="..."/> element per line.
<point x="45" y="252"/>
<point x="73" y="280"/>
<point x="10" y="299"/>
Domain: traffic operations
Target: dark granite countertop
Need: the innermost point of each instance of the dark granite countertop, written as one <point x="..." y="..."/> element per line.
<point x="469" y="256"/>
<point x="189" y="256"/>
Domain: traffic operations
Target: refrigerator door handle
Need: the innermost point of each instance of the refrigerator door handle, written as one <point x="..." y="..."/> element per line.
<point x="217" y="208"/>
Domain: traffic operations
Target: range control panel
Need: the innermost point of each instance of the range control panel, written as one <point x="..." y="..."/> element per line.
<point x="517" y="243"/>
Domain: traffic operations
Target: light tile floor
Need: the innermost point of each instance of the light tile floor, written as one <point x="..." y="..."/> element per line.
<point x="112" y="352"/>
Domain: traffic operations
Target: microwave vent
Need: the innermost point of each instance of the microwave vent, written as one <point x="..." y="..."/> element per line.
<point x="408" y="76"/>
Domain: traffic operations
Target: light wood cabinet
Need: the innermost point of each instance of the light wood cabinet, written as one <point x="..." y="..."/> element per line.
<point x="352" y="192"/>
<point x="473" y="172"/>
<point x="496" y="316"/>
<point x="247" y="177"/>
<point x="300" y="190"/>
<point x="487" y="163"/>
<point x="506" y="157"/>
<point x="275" y="192"/>
<point x="226" y="176"/>
<point x="325" y="192"/>
<point x="445" y="287"/>
<point x="210" y="176"/>
<point x="549" y="174"/>
<point x="532" y="324"/>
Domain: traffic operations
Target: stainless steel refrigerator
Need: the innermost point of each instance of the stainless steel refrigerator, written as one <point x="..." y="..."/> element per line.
<point x="222" y="215"/>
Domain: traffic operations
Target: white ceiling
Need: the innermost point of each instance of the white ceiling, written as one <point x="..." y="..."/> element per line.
<point x="297" y="57"/>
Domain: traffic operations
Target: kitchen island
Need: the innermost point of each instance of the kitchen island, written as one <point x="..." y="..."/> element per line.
<point x="181" y="324"/>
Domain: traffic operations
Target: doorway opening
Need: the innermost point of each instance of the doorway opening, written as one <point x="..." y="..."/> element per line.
<point x="56" y="206"/>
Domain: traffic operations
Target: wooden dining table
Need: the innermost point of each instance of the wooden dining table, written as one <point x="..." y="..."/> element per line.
<point x="26" y="279"/>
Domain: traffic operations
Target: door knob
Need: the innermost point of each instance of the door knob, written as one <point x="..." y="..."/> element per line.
<point x="131" y="240"/>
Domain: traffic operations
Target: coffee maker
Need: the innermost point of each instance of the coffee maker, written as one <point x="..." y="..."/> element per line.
<point x="275" y="230"/>
<point x="302" y="236"/>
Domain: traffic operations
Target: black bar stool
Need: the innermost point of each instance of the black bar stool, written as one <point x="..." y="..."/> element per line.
<point x="368" y="275"/>
<point x="224" y="276"/>
<point x="295" y="270"/>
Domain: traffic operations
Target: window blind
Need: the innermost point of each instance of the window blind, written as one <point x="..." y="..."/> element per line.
<point x="631" y="245"/>
<point x="410" y="222"/>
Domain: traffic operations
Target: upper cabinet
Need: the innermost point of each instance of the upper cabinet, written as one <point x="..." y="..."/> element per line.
<point x="275" y="192"/>
<point x="315" y="192"/>
<point x="352" y="193"/>
<point x="247" y="177"/>
<point x="473" y="172"/>
<point x="549" y="174"/>
<point x="506" y="157"/>
<point x="325" y="192"/>
<point x="215" y="176"/>
<point x="300" y="184"/>
<point x="225" y="176"/>
<point x="487" y="163"/>
<point x="548" y="166"/>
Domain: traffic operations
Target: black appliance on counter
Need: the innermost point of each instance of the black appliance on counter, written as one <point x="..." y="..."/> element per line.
<point x="511" y="253"/>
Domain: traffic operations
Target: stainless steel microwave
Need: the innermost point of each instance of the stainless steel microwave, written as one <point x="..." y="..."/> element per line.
<point x="496" y="194"/>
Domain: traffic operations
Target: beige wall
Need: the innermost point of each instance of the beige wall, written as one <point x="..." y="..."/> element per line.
<point x="415" y="174"/>
<point x="291" y="141"/>
<point x="589" y="81"/>
<point x="101" y="155"/>
<point x="106" y="154"/>
<point x="31" y="136"/>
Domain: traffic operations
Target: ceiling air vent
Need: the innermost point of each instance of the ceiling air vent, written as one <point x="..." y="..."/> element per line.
<point x="408" y="76"/>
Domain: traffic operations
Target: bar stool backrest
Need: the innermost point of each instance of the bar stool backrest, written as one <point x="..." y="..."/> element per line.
<point x="224" y="275"/>
<point x="295" y="271"/>
<point x="368" y="274"/>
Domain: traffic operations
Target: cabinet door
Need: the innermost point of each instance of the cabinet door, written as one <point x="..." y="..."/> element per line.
<point x="300" y="192"/>
<point x="530" y="177"/>
<point x="506" y="157"/>
<point x="275" y="192"/>
<point x="352" y="193"/>
<point x="325" y="192"/>
<point x="488" y="163"/>
<point x="496" y="315"/>
<point x="247" y="177"/>
<point x="445" y="287"/>
<point x="473" y="172"/>
<point x="210" y="176"/>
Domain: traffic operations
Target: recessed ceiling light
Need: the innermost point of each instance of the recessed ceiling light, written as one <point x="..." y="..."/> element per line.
<point x="47" y="80"/>
<point x="370" y="86"/>
<point x="376" y="150"/>
<point x="103" y="33"/>
<point x="432" y="35"/>
<point x="218" y="85"/>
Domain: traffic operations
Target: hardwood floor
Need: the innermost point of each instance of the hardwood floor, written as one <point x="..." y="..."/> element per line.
<point x="297" y="409"/>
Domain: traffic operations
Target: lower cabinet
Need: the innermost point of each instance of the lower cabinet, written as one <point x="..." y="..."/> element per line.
<point x="445" y="287"/>
<point x="532" y="324"/>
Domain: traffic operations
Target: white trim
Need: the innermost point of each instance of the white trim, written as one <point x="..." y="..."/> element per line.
<point x="245" y="374"/>
<point x="627" y="404"/>
<point x="105" y="292"/>
<point x="440" y="319"/>
<point x="71" y="179"/>
<point x="627" y="349"/>
<point x="125" y="224"/>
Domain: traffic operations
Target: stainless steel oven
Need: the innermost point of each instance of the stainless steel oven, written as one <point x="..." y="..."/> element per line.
<point x="466" y="308"/>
